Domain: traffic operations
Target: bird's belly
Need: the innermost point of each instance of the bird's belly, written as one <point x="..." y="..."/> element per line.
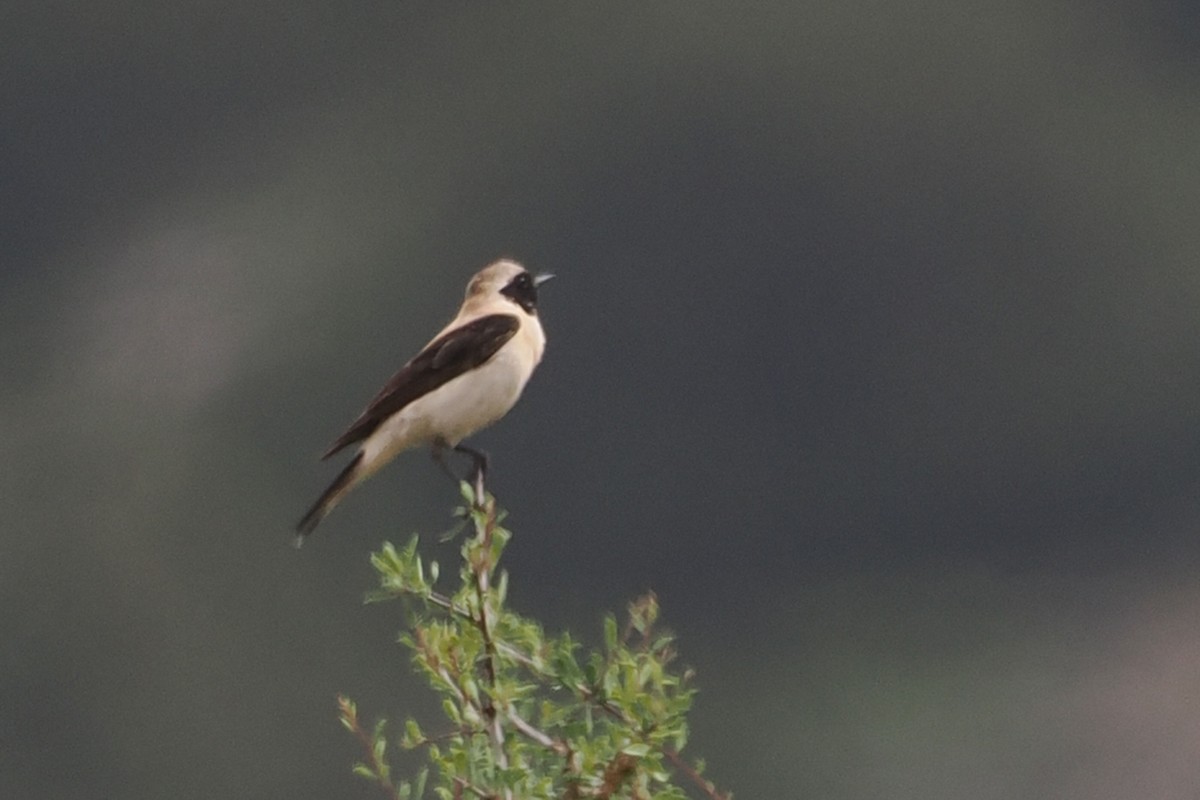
<point x="470" y="402"/>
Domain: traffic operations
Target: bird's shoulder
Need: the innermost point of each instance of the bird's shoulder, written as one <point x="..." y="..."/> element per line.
<point x="467" y="343"/>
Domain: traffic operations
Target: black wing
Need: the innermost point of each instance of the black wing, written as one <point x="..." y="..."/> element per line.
<point x="447" y="357"/>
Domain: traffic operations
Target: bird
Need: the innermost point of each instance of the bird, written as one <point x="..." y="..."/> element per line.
<point x="467" y="377"/>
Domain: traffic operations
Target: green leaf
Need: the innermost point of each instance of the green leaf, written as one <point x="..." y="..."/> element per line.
<point x="454" y="530"/>
<point x="412" y="737"/>
<point x="512" y="776"/>
<point x="502" y="587"/>
<point x="378" y="596"/>
<point x="610" y="632"/>
<point x="349" y="713"/>
<point x="681" y="737"/>
<point x="379" y="746"/>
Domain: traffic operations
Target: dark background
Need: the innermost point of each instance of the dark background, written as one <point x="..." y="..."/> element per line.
<point x="873" y="350"/>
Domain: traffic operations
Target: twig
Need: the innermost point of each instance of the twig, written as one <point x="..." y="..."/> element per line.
<point x="687" y="769"/>
<point x="483" y="580"/>
<point x="521" y="658"/>
<point x="464" y="732"/>
<point x="379" y="769"/>
<point x="542" y="738"/>
<point x="442" y="601"/>
<point x="461" y="784"/>
<point x="616" y="774"/>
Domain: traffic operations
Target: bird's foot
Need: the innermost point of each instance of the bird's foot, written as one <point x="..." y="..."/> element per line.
<point x="479" y="466"/>
<point x="478" y="470"/>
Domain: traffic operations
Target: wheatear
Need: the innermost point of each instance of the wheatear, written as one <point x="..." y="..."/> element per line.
<point x="465" y="379"/>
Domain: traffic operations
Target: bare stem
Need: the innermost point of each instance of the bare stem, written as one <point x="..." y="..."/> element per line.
<point x="379" y="769"/>
<point x="461" y="785"/>
<point x="541" y="737"/>
<point x="706" y="786"/>
<point x="483" y="581"/>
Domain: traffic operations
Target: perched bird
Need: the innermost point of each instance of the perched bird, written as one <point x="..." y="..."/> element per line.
<point x="465" y="379"/>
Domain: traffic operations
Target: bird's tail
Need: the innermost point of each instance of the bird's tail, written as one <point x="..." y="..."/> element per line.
<point x="328" y="499"/>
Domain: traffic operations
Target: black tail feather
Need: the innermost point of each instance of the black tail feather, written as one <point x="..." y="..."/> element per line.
<point x="328" y="499"/>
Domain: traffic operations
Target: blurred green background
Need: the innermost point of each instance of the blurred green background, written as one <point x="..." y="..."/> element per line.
<point x="874" y="352"/>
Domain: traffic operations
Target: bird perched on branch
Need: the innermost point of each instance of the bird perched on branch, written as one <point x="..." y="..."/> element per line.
<point x="465" y="379"/>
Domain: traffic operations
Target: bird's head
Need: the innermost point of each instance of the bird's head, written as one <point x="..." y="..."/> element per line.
<point x="509" y="280"/>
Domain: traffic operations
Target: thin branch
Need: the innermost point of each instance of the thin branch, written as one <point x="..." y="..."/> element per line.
<point x="542" y="738"/>
<point x="705" y="785"/>
<point x="465" y="732"/>
<point x="521" y="658"/>
<point x="378" y="768"/>
<point x="616" y="774"/>
<point x="461" y="784"/>
<point x="452" y="683"/>
<point x="483" y="581"/>
<point x="442" y="601"/>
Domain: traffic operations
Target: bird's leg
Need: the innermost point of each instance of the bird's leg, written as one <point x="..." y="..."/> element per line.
<point x="439" y="455"/>
<point x="479" y="460"/>
<point x="479" y="470"/>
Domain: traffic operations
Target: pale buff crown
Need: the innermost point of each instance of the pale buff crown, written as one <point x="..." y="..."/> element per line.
<point x="491" y="279"/>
